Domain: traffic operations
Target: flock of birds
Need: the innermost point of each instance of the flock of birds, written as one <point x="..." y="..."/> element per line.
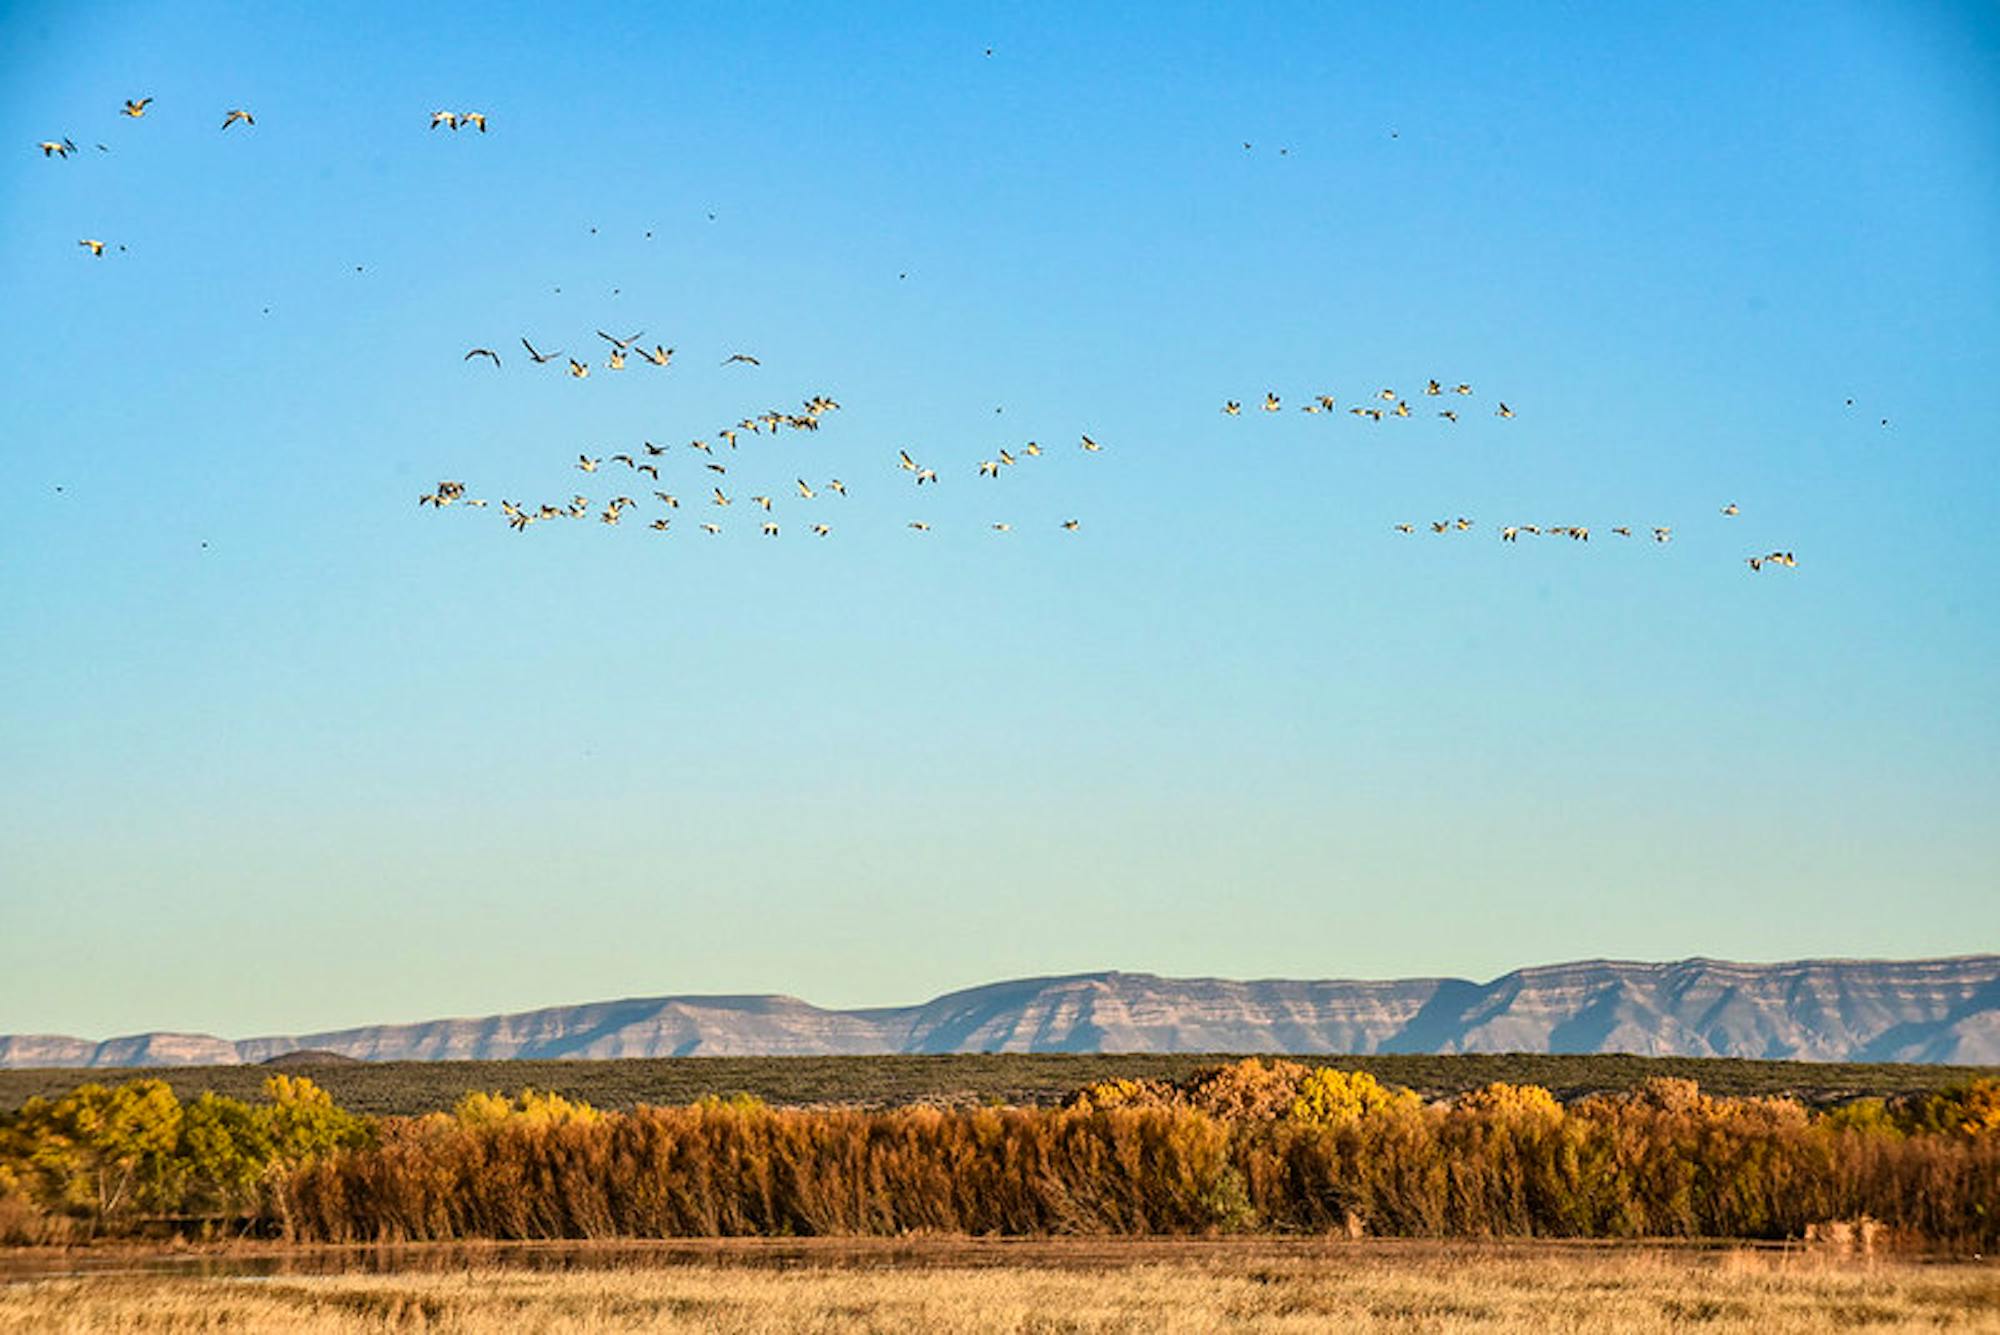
<point x="651" y="457"/>
<point x="1384" y="405"/>
<point x="1370" y="410"/>
<point x="1662" y="534"/>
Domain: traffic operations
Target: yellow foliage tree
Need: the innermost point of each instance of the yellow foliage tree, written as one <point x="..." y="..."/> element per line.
<point x="1329" y="1097"/>
<point x="528" y="1108"/>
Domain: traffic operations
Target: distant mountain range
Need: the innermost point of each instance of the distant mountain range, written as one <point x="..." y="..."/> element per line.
<point x="1939" y="1010"/>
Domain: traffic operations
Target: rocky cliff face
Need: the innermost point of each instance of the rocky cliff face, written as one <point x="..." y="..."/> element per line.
<point x="1943" y="1010"/>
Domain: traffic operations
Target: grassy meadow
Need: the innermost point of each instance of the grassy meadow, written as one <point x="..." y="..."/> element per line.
<point x="955" y="1286"/>
<point x="408" y="1089"/>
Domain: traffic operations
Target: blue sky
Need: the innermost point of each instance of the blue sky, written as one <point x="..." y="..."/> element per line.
<point x="283" y="751"/>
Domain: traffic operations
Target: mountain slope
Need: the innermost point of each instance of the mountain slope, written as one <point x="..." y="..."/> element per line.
<point x="1940" y="1010"/>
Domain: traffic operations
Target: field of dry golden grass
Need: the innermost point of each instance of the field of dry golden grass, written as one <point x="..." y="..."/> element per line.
<point x="1052" y="1286"/>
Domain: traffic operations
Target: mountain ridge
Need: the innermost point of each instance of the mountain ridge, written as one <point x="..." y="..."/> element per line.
<point x="1940" y="1010"/>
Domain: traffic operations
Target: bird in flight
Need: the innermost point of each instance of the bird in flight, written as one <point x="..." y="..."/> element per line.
<point x="1091" y="445"/>
<point x="1003" y="528"/>
<point x="1433" y="388"/>
<point x="764" y="501"/>
<point x="805" y="491"/>
<point x="838" y="486"/>
<point x="620" y="343"/>
<point x="1731" y="510"/>
<point x="920" y="526"/>
<point x="1663" y="535"/>
<point x="1503" y="411"/>
<point x="54" y="149"/>
<point x="587" y="464"/>
<point x="1406" y="528"/>
<point x="659" y="356"/>
<point x="448" y="119"/>
<point x="711" y="529"/>
<point x="235" y="114"/>
<point x="1232" y="408"/>
<point x="135" y="109"/>
<point x="94" y="247"/>
<point x="617" y="360"/>
<point x="770" y="528"/>
<point x="483" y="352"/>
<point x="1070" y="524"/>
<point x="821" y="529"/>
<point x="540" y="357"/>
<point x="1270" y="403"/>
<point x="989" y="468"/>
<point x="1448" y="415"/>
<point x="668" y="499"/>
<point x="720" y="499"/>
<point x="1461" y="389"/>
<point x="744" y="357"/>
<point x="477" y="118"/>
<point x="578" y="369"/>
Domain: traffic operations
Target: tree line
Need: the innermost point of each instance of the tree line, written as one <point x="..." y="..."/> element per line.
<point x="1250" y="1146"/>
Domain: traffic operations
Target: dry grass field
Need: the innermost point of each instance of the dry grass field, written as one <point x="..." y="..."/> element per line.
<point x="1049" y="1286"/>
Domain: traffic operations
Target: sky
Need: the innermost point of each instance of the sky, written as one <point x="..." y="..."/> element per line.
<point x="281" y="750"/>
